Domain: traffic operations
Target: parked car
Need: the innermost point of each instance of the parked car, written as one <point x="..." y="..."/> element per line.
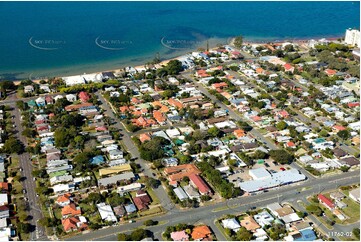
<point x="282" y="169"/>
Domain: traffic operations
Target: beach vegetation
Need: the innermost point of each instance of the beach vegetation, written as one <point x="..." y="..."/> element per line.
<point x="238" y="41"/>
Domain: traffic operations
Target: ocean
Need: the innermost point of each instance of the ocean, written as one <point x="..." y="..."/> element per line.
<point x="47" y="39"/>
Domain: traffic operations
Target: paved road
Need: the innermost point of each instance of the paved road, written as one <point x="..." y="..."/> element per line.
<point x="268" y="142"/>
<point x="28" y="183"/>
<point x="317" y="224"/>
<point x="236" y="205"/>
<point x="133" y="150"/>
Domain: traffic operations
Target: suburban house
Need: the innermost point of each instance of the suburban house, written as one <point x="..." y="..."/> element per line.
<point x="70" y="210"/>
<point x="326" y="202"/>
<point x="179" y="236"/>
<point x="198" y="182"/>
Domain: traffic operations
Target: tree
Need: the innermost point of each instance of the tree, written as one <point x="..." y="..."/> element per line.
<point x="301" y="214"/>
<point x="281" y="156"/>
<point x="323" y="133"/>
<point x="314" y="209"/>
<point x="344" y="134"/>
<point x="260" y="155"/>
<point x="281" y="125"/>
<point x="123" y="237"/>
<point x="344" y="168"/>
<point x="63" y="136"/>
<point x="150" y="222"/>
<point x="243" y="234"/>
<point x="139" y="234"/>
<point x="238" y="41"/>
<point x="205" y="198"/>
<point x="214" y="132"/>
<point x="174" y="67"/>
<point x="151" y="182"/>
<point x="356" y="233"/>
<point x="20" y="105"/>
<point x="79" y="141"/>
<point x="23" y="227"/>
<point x="30" y="133"/>
<point x="13" y="146"/>
<point x="289" y="48"/>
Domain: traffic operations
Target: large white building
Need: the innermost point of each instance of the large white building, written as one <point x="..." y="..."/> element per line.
<point x="352" y="37"/>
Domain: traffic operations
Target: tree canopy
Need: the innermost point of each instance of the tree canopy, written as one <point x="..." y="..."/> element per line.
<point x="281" y="156"/>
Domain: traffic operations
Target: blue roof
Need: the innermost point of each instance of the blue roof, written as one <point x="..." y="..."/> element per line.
<point x="96" y="160"/>
<point x="130" y="208"/>
<point x="307" y="235"/>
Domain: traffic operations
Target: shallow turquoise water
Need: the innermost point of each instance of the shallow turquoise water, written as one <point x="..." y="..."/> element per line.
<point x="71" y="35"/>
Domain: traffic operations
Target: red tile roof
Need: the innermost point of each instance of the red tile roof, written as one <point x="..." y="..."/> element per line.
<point x="77" y="106"/>
<point x="339" y="127"/>
<point x="70" y="209"/>
<point x="4" y="186"/>
<point x="84" y="96"/>
<point x="219" y="85"/>
<point x="158" y="116"/>
<point x="144" y="137"/>
<point x="288" y="66"/>
<point x="354" y="104"/>
<point x="175" y="103"/>
<point x="201" y="232"/>
<point x="325" y="201"/>
<point x="330" y="72"/>
<point x="70" y="224"/>
<point x="63" y="198"/>
<point x="200" y="184"/>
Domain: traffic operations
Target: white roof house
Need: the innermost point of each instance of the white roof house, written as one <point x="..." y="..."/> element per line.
<point x="106" y="212"/>
<point x="263" y="218"/>
<point x="128" y="188"/>
<point x="82" y="79"/>
<point x="4" y="200"/>
<point x="293" y="217"/>
<point x="231" y="223"/>
<point x="63" y="188"/>
<point x="172" y="133"/>
<point x="70" y="97"/>
<point x="355" y="194"/>
<point x="180" y="193"/>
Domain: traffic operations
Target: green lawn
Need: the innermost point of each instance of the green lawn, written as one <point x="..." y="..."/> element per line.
<point x="352" y="210"/>
<point x="155" y="199"/>
<point x="151" y="211"/>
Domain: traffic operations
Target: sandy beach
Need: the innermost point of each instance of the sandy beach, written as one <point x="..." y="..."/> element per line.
<point x="164" y="62"/>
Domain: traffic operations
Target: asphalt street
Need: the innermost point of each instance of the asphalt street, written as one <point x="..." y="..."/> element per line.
<point x="207" y="214"/>
<point x="28" y="184"/>
<point x="133" y="150"/>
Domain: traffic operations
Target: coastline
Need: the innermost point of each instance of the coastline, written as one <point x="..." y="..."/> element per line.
<point x="248" y="41"/>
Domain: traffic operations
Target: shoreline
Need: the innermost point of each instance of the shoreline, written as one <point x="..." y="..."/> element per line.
<point x="251" y="41"/>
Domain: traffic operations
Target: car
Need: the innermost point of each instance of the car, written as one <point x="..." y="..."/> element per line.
<point x="282" y="169"/>
<point x="131" y="221"/>
<point x="34" y="178"/>
<point x="266" y="164"/>
<point x="24" y="191"/>
<point x="273" y="171"/>
<point x="37" y="195"/>
<point x="21" y="169"/>
<point x="153" y="174"/>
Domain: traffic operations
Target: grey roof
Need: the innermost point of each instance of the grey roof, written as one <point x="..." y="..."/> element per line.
<point x="260" y="173"/>
<point x="114" y="179"/>
<point x="276" y="179"/>
<point x="180" y="193"/>
<point x="130" y="208"/>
